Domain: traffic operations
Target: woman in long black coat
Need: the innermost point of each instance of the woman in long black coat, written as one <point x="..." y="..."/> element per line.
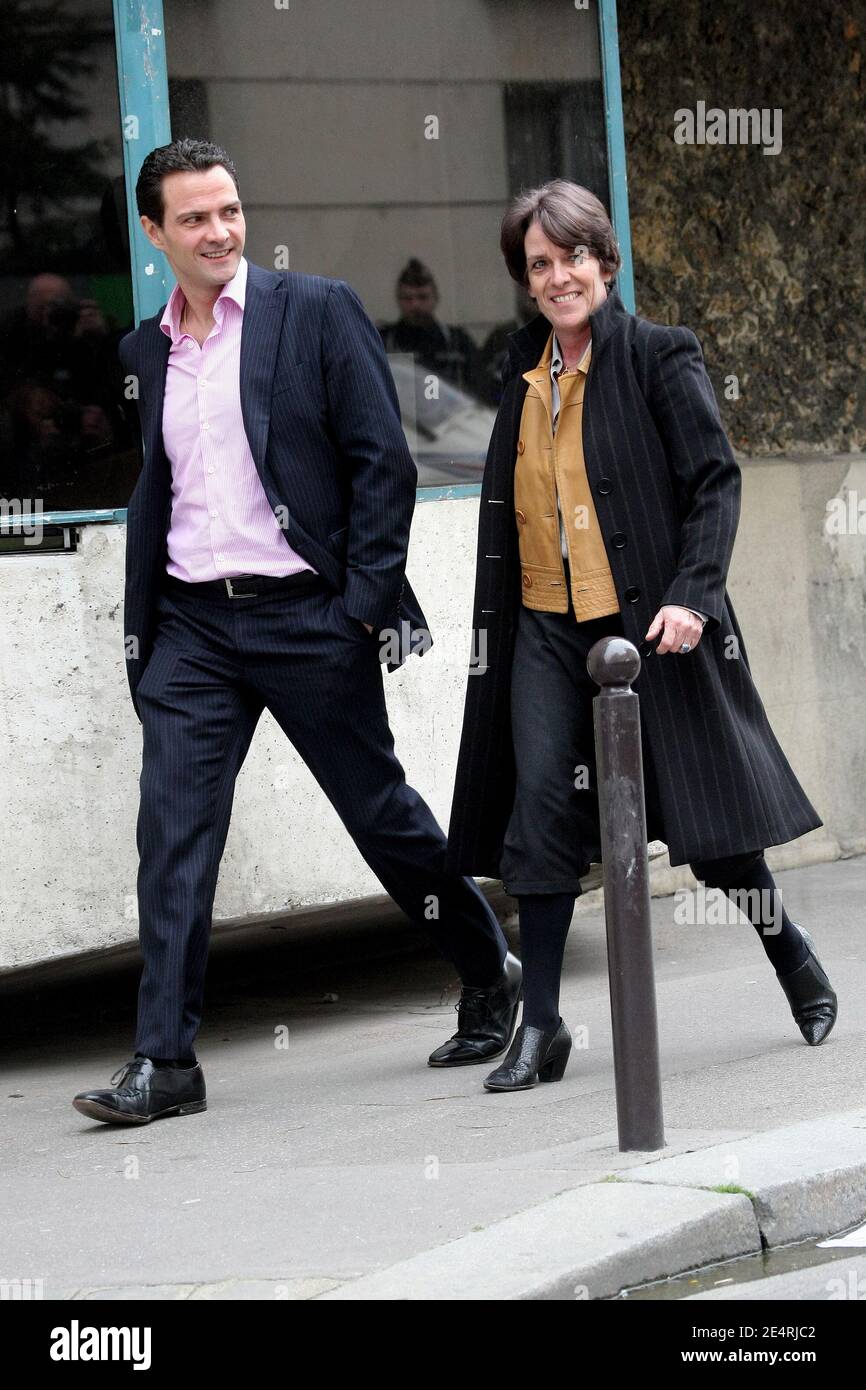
<point x="665" y="493"/>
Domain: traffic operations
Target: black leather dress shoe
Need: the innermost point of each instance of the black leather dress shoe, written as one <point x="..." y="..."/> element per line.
<point x="485" y="1020"/>
<point x="810" y="994"/>
<point x="144" y="1093"/>
<point x="533" y="1056"/>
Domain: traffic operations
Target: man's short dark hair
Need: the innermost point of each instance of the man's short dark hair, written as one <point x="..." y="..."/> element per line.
<point x="180" y="157"/>
<point x="416" y="274"/>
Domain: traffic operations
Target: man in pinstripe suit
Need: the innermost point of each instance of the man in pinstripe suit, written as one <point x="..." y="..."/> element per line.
<point x="266" y="546"/>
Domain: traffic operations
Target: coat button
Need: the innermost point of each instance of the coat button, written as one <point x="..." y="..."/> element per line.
<point x="605" y="486"/>
<point x="520" y="446"/>
<point x="527" y="581"/>
<point x="618" y="540"/>
<point x="632" y="594"/>
<point x="646" y="648"/>
<point x="521" y="516"/>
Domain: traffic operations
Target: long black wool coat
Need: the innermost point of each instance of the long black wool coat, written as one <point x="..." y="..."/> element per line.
<point x="666" y="486"/>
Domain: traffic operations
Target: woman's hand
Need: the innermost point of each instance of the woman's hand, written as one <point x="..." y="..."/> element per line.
<point x="681" y="626"/>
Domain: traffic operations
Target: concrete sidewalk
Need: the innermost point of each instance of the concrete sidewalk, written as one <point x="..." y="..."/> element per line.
<point x="651" y="1221"/>
<point x="340" y="1166"/>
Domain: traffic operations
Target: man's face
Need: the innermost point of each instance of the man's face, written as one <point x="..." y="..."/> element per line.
<point x="417" y="303"/>
<point x="565" y="282"/>
<point x="203" y="229"/>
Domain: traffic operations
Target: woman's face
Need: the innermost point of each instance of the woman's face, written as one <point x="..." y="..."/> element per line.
<point x="567" y="284"/>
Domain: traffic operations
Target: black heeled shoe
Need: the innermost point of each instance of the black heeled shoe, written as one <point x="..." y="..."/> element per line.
<point x="811" y="996"/>
<point x="533" y="1056"/>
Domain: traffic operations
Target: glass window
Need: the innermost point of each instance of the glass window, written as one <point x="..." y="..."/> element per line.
<point x="65" y="289"/>
<point x="379" y="142"/>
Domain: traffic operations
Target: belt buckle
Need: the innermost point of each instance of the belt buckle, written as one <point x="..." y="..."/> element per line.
<point x="231" y="593"/>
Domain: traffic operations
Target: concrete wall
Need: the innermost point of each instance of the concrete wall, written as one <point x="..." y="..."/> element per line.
<point x="71" y="742"/>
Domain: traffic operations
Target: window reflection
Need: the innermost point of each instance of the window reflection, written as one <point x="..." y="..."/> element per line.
<point x="65" y="289"/>
<point x="379" y="142"/>
<point x="443" y="349"/>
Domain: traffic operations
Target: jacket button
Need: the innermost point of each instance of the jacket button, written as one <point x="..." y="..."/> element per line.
<point x="605" y="486"/>
<point x="632" y="594"/>
<point x="618" y="540"/>
<point x="520" y="446"/>
<point x="646" y="648"/>
<point x="527" y="581"/>
<point x="521" y="516"/>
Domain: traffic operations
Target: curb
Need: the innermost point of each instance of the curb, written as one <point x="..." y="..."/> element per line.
<point x="808" y="1179"/>
<point x="659" y="1220"/>
<point x="583" y="1244"/>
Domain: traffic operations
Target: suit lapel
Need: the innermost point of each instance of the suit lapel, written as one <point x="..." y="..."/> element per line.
<point x="264" y="308"/>
<point x="154" y="359"/>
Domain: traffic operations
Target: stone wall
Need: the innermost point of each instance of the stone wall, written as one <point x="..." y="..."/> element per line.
<point x="763" y="255"/>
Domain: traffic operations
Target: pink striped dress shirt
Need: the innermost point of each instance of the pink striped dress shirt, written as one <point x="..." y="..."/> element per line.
<point x="222" y="524"/>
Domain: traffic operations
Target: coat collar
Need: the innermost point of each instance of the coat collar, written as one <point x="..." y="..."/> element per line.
<point x="550" y="362"/>
<point x="527" y="344"/>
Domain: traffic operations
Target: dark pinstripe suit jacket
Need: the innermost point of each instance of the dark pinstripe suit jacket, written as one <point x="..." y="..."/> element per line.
<point x="661" y="473"/>
<point x="321" y="416"/>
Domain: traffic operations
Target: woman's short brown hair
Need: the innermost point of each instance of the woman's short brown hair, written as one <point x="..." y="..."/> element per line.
<point x="569" y="215"/>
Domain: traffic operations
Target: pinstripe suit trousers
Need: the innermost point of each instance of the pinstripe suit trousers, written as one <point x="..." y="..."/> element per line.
<point x="216" y="664"/>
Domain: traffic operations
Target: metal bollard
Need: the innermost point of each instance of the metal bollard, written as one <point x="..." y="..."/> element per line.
<point x="613" y="663"/>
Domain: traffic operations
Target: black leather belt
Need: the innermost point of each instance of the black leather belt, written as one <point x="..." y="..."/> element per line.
<point x="244" y="585"/>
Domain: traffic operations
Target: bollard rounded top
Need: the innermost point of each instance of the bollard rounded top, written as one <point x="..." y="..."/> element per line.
<point x="614" y="661"/>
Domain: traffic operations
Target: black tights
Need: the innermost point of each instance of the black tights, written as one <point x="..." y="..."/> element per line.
<point x="546" y="917"/>
<point x="748" y="873"/>
<point x="544" y="922"/>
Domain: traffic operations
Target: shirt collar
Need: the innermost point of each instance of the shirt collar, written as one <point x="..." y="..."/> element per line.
<point x="556" y="359"/>
<point x="235" y="290"/>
